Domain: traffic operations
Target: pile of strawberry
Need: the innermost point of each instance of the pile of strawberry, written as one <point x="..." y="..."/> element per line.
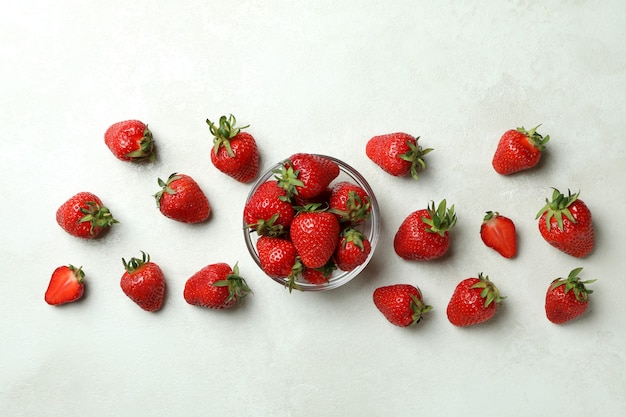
<point x="307" y="225"/>
<point x="564" y="222"/>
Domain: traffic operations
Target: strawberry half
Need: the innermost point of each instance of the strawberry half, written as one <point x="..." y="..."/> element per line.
<point x="498" y="233"/>
<point x="66" y="285"/>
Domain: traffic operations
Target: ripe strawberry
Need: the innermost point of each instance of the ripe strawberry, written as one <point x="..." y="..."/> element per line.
<point x="518" y="149"/>
<point x="315" y="235"/>
<point x="234" y="152"/>
<point x="277" y="256"/>
<point x="307" y="175"/>
<point x="352" y="250"/>
<point x="182" y="199"/>
<point x="66" y="285"/>
<point x="315" y="276"/>
<point x="130" y="140"/>
<point x="397" y="154"/>
<point x="216" y="286"/>
<point x="567" y="298"/>
<point x="349" y="202"/>
<point x="84" y="216"/>
<point x="474" y="301"/>
<point x="143" y="282"/>
<point x="267" y="212"/>
<point x="565" y="223"/>
<point x="401" y="304"/>
<point x="498" y="233"/>
<point x="423" y="235"/>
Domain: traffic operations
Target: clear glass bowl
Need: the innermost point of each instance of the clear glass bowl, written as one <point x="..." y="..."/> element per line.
<point x="370" y="227"/>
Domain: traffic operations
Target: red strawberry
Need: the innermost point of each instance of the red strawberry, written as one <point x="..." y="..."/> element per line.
<point x="66" y="285"/>
<point x="397" y="154"/>
<point x="143" y="282"/>
<point x="277" y="256"/>
<point x="474" y="301"/>
<point x="401" y="304"/>
<point x="565" y="223"/>
<point x="182" y="199"/>
<point x="352" y="250"/>
<point x="423" y="235"/>
<point x="130" y="140"/>
<point x="84" y="216"/>
<point x="307" y="175"/>
<point x="349" y="202"/>
<point x="498" y="233"/>
<point x="216" y="286"/>
<point x="567" y="298"/>
<point x="315" y="235"/>
<point x="518" y="150"/>
<point x="319" y="276"/>
<point x="267" y="212"/>
<point x="234" y="152"/>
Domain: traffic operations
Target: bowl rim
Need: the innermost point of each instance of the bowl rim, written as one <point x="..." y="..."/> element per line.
<point x="343" y="277"/>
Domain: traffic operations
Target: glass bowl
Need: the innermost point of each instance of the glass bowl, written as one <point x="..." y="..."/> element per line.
<point x="370" y="227"/>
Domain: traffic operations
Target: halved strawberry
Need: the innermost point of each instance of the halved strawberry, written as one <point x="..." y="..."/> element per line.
<point x="66" y="285"/>
<point x="498" y="233"/>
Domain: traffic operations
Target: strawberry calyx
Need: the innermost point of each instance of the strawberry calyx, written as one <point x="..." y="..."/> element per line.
<point x="78" y="273"/>
<point x="237" y="286"/>
<point x="357" y="209"/>
<point x="441" y="219"/>
<point x="165" y="187"/>
<point x="489" y="291"/>
<point x="557" y="208"/>
<point x="224" y="133"/>
<point x="490" y="215"/>
<point x="353" y="235"/>
<point x="573" y="283"/>
<point x="97" y="216"/>
<point x="419" y="308"/>
<point x="535" y="138"/>
<point x="267" y="227"/>
<point x="287" y="179"/>
<point x="134" y="264"/>
<point x="415" y="155"/>
<point x="296" y="270"/>
<point x="146" y="148"/>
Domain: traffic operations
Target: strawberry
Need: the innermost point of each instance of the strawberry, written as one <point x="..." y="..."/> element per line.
<point x="307" y="175"/>
<point x="130" y="140"/>
<point x="84" y="216"/>
<point x="352" y="250"/>
<point x="518" y="149"/>
<point x="474" y="301"/>
<point x="423" y="235"/>
<point x="565" y="223"/>
<point x="234" y="152"/>
<point x="401" y="304"/>
<point x="143" y="282"/>
<point x="567" y="298"/>
<point x="349" y="202"/>
<point x="397" y="154"/>
<point x="66" y="285"/>
<point x="277" y="256"/>
<point x="498" y="233"/>
<point x="318" y="276"/>
<point x="182" y="199"/>
<point x="267" y="212"/>
<point x="315" y="235"/>
<point x="216" y="286"/>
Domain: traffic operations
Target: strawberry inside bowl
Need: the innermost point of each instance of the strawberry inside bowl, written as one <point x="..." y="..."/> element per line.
<point x="311" y="222"/>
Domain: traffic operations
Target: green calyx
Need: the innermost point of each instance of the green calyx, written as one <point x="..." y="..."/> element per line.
<point x="357" y="209"/>
<point x="558" y="207"/>
<point x="287" y="179"/>
<point x="97" y="216"/>
<point x="573" y="283"/>
<point x="237" y="286"/>
<point x="489" y="291"/>
<point x="267" y="227"/>
<point x="415" y="155"/>
<point x="418" y="308"/>
<point x="296" y="270"/>
<point x="441" y="219"/>
<point x="146" y="148"/>
<point x="134" y="263"/>
<point x="354" y="236"/>
<point x="165" y="187"/>
<point x="78" y="273"/>
<point x="223" y="133"/>
<point x="535" y="138"/>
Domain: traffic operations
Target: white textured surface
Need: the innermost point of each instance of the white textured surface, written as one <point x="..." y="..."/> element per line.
<point x="316" y="77"/>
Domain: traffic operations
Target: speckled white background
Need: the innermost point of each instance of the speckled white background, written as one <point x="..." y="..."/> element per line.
<point x="318" y="77"/>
